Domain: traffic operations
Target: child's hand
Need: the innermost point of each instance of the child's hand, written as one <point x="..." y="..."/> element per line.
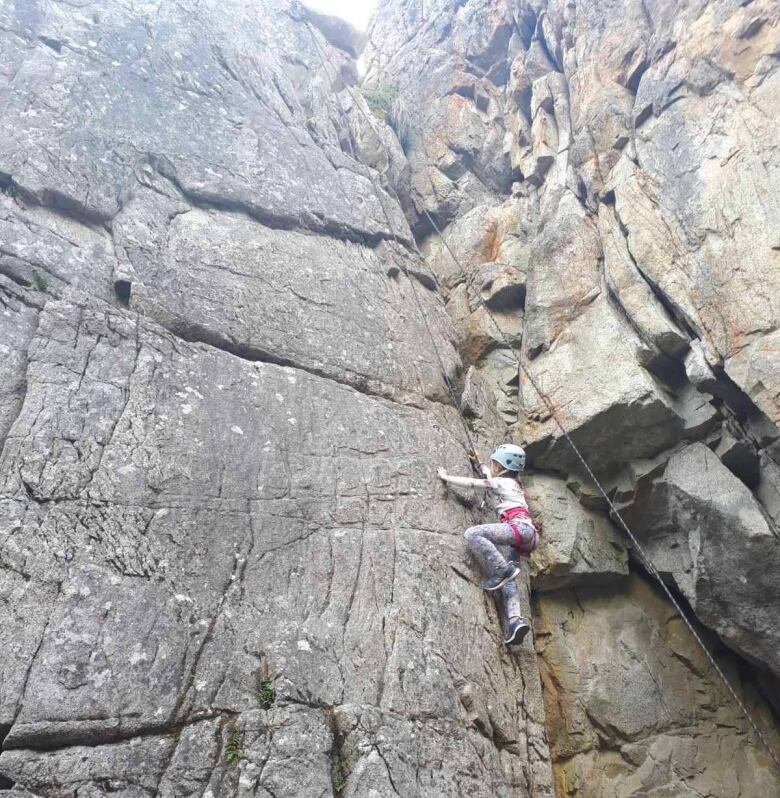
<point x="474" y="457"/>
<point x="442" y="474"/>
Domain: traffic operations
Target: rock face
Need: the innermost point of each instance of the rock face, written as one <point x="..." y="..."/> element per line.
<point x="707" y="534"/>
<point x="602" y="173"/>
<point x="578" y="545"/>
<point x="228" y="340"/>
<point x="226" y="566"/>
<point x="631" y="706"/>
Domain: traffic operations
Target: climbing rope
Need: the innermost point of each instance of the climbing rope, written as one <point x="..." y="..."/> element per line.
<point x="615" y="513"/>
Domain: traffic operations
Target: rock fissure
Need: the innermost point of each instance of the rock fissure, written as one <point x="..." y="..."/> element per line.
<point x="356" y="381"/>
<point x="664" y="300"/>
<point x="313" y="223"/>
<point x="115" y="730"/>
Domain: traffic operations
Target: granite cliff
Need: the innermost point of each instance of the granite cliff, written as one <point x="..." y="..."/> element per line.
<point x="228" y="332"/>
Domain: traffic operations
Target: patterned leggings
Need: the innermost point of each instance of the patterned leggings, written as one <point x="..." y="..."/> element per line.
<point x="483" y="540"/>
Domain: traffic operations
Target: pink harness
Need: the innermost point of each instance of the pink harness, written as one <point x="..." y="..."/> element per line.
<point x="523" y="547"/>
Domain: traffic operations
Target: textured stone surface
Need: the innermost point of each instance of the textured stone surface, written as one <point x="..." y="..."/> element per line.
<point x="185" y="93"/>
<point x="706" y="532"/>
<point x="621" y="412"/>
<point x="328" y="306"/>
<point x="235" y="435"/>
<point x="226" y="567"/>
<point x="578" y="546"/>
<point x="178" y="521"/>
<point x="642" y="218"/>
<point x="755" y="367"/>
<point x="632" y="708"/>
<point x="18" y="321"/>
<point x="220" y="418"/>
<point x="643" y="110"/>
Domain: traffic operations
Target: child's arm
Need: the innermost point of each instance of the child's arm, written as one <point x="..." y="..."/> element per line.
<point x="466" y="482"/>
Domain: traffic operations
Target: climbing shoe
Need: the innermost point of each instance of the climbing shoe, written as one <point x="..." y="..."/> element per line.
<point x="516" y="631"/>
<point x="500" y="579"/>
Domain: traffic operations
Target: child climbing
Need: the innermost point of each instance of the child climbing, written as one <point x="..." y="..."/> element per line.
<point x="515" y="528"/>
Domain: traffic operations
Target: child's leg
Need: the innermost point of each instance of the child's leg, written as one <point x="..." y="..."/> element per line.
<point x="515" y="626"/>
<point x="483" y="539"/>
<point x="511" y="602"/>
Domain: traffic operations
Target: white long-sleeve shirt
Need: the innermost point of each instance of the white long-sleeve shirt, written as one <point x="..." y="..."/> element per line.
<point x="501" y="493"/>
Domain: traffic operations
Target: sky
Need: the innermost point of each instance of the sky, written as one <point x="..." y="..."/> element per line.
<point x="355" y="11"/>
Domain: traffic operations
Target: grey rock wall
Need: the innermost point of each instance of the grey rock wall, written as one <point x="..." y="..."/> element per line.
<point x="226" y="566"/>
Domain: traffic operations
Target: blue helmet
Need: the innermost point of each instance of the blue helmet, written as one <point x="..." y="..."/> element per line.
<point x="510" y="456"/>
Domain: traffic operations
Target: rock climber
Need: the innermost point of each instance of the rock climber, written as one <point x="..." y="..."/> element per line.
<point x="516" y="528"/>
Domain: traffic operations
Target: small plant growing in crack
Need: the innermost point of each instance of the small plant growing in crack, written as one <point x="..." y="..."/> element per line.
<point x="339" y="776"/>
<point x="380" y="98"/>
<point x="388" y="105"/>
<point x="339" y="783"/>
<point x="267" y="693"/>
<point x="40" y="281"/>
<point x="233" y="748"/>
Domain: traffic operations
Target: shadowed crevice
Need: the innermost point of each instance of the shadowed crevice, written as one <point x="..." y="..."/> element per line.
<point x="122" y="289"/>
<point x="6" y="783"/>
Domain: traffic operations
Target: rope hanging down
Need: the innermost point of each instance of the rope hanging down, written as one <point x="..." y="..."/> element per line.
<point x="651" y="569"/>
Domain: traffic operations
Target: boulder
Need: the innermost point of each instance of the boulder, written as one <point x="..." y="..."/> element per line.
<point x="578" y="546"/>
<point x="614" y="410"/>
<point x="755" y="368"/>
<point x="768" y="488"/>
<point x="709" y="537"/>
